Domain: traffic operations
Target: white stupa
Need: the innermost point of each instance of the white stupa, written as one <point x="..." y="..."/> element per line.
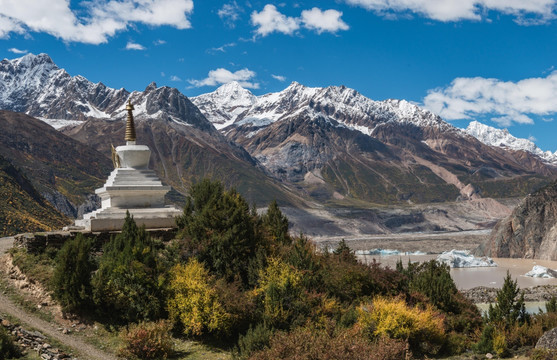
<point x="132" y="187"/>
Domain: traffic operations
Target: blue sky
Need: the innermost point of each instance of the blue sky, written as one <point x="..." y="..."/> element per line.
<point x="487" y="60"/>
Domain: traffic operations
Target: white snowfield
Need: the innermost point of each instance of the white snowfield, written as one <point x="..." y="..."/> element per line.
<point x="502" y="138"/>
<point x="463" y="259"/>
<point x="539" y="271"/>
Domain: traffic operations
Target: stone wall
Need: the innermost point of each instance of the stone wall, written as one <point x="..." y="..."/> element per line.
<point x="37" y="242"/>
<point x="34" y="341"/>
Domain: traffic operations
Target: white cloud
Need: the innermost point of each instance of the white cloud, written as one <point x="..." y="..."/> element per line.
<point x="223" y="76"/>
<point x="230" y="13"/>
<point x="221" y="48"/>
<point x="159" y="42"/>
<point x="134" y="46"/>
<point x="270" y="20"/>
<point x="320" y="21"/>
<point x="505" y="101"/>
<point x="17" y="51"/>
<point x="455" y="10"/>
<point x="99" y="20"/>
<point x="163" y="74"/>
<point x="279" y="78"/>
<point x="175" y="78"/>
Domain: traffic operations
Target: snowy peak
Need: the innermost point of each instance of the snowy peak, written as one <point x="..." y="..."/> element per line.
<point x="225" y="104"/>
<point x="344" y="106"/>
<point x="502" y="138"/>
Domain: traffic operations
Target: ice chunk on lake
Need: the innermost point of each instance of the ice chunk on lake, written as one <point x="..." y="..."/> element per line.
<point x="463" y="259"/>
<point x="539" y="271"/>
<point x="387" y="252"/>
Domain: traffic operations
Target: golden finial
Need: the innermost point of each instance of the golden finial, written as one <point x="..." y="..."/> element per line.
<point x="130" y="127"/>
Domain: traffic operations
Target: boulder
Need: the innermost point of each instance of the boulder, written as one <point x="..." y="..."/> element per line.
<point x="548" y="340"/>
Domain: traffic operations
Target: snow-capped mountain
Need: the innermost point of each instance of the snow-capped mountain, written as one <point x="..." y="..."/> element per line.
<point x="346" y="107"/>
<point x="502" y="138"/>
<point x="185" y="145"/>
<point x="336" y="143"/>
<point x="225" y="104"/>
<point x="34" y="85"/>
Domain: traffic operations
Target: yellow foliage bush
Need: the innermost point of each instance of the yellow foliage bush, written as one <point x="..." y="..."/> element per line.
<point x="500" y="344"/>
<point x="194" y="301"/>
<point x="281" y="290"/>
<point x="423" y="329"/>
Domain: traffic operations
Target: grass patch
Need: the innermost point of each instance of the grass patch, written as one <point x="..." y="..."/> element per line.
<point x="37" y="267"/>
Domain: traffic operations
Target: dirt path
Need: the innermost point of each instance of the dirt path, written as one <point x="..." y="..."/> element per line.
<point x="80" y="348"/>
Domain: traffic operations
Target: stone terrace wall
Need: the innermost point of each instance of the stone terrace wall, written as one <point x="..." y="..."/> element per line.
<point x="37" y="242"/>
<point x="34" y="341"/>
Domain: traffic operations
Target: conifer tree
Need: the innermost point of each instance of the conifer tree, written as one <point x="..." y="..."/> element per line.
<point x="276" y="223"/>
<point x="510" y="307"/>
<point x="72" y="275"/>
<point x="220" y="230"/>
<point x="126" y="286"/>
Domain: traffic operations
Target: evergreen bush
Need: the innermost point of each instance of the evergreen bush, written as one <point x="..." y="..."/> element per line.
<point x="71" y="282"/>
<point x="127" y="286"/>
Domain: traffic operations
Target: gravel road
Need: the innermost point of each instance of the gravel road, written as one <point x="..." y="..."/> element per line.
<point x="80" y="348"/>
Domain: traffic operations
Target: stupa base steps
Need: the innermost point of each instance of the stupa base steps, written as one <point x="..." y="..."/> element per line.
<point x="112" y="219"/>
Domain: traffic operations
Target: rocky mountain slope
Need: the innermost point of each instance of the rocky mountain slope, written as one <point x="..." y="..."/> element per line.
<point x="60" y="168"/>
<point x="22" y="208"/>
<point x="338" y="145"/>
<point x="530" y="231"/>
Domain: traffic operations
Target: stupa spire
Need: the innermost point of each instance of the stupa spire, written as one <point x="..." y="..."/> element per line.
<point x="130" y="127"/>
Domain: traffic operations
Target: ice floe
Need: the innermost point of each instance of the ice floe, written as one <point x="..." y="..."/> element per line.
<point x="388" y="252"/>
<point x="463" y="259"/>
<point x="539" y="271"/>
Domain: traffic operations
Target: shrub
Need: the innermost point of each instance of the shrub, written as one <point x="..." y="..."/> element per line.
<point x="282" y="294"/>
<point x="433" y="280"/>
<point x="256" y="339"/>
<point x="71" y="281"/>
<point x="500" y="344"/>
<point x="126" y="286"/>
<point x="544" y="354"/>
<point x="309" y="344"/>
<point x="194" y="303"/>
<point x="551" y="305"/>
<point x="8" y="348"/>
<point x="393" y="318"/>
<point x="485" y="344"/>
<point x="150" y="340"/>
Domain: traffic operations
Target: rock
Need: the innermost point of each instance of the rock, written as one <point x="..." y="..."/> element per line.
<point x="548" y="340"/>
<point x="6" y="323"/>
<point x="529" y="232"/>
<point x="489" y="356"/>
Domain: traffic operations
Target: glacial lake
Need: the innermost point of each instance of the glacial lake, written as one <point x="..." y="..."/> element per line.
<point x="467" y="278"/>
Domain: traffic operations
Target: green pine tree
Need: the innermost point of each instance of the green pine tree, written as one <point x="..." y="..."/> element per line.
<point x="219" y="228"/>
<point x="126" y="286"/>
<point x="71" y="280"/>
<point x="510" y="307"/>
<point x="276" y="223"/>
